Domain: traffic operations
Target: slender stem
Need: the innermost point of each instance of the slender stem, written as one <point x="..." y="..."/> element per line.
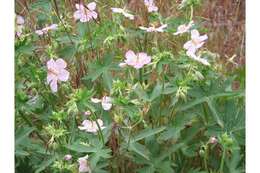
<point x="57" y="14"/>
<point x="191" y="12"/>
<point x="99" y="129"/>
<point x="222" y="161"/>
<point x="206" y="158"/>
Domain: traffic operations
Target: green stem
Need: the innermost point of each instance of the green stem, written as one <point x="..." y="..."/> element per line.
<point x="99" y="129"/>
<point x="222" y="161"/>
<point x="191" y="12"/>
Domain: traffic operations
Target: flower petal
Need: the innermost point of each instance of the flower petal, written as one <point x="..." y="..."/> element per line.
<point x="131" y="58"/>
<point x="51" y="64"/>
<point x="92" y="6"/>
<point x="195" y="34"/>
<point x="63" y="75"/>
<point x="60" y="63"/>
<point x="54" y="86"/>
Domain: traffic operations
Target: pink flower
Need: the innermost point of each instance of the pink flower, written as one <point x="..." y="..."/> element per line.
<point x="67" y="157"/>
<point x="46" y="29"/>
<point x="198" y="58"/>
<point x="106" y="102"/>
<point x="19" y="25"/>
<point x="19" y="20"/>
<point x="84" y="164"/>
<point x="91" y="126"/>
<point x="87" y="113"/>
<point x="56" y="72"/>
<point x="151" y="7"/>
<point x="184" y="28"/>
<point x="196" y="41"/>
<point x="213" y="140"/>
<point x="136" y="60"/>
<point x="85" y="14"/>
<point x="123" y="12"/>
<point x="153" y="29"/>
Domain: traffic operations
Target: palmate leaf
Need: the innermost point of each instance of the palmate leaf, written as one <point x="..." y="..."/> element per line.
<point x="146" y="133"/>
<point x="22" y="133"/>
<point x="45" y="164"/>
<point x="208" y="100"/>
<point x="140" y="149"/>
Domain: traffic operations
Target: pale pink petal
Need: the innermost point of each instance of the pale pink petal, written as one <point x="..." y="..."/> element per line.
<point x="195" y="34"/>
<point x="187" y="45"/>
<point x="117" y="10"/>
<point x="129" y="16"/>
<point x="50" y="77"/>
<point x="95" y="100"/>
<point x="131" y="58"/>
<point x="39" y="32"/>
<point x="92" y="6"/>
<point x="54" y="86"/>
<point x="143" y="28"/>
<point x="60" y="63"/>
<point x="77" y="6"/>
<point x="144" y="58"/>
<point x="106" y="103"/>
<point x="203" y="38"/>
<point x="122" y="64"/>
<point x="63" y="75"/>
<point x="19" y="20"/>
<point x="51" y="64"/>
<point x="53" y="27"/>
<point x="77" y="15"/>
<point x="93" y="14"/>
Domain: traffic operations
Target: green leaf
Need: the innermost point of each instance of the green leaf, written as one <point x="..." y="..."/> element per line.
<point x="170" y="133"/>
<point x="139" y="149"/>
<point x="140" y="92"/>
<point x="81" y="148"/>
<point x="215" y="113"/>
<point x="156" y="92"/>
<point x="146" y="133"/>
<point x="22" y="133"/>
<point x="45" y="164"/>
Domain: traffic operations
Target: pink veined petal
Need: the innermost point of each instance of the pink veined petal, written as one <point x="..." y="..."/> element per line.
<point x="203" y="37"/>
<point x="199" y="45"/>
<point x="77" y="15"/>
<point x="153" y="8"/>
<point x="144" y="58"/>
<point x="77" y="6"/>
<point x="51" y="77"/>
<point x="63" y="75"/>
<point x="106" y="106"/>
<point x="192" y="50"/>
<point x="187" y="45"/>
<point x="19" y="20"/>
<point x="54" y="86"/>
<point x="60" y="63"/>
<point x="51" y="64"/>
<point x="131" y="58"/>
<point x="195" y="34"/>
<point x="84" y="18"/>
<point x="53" y="27"/>
<point x="100" y="122"/>
<point x="39" y="32"/>
<point x="92" y="6"/>
<point x="138" y="65"/>
<point x="93" y="14"/>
